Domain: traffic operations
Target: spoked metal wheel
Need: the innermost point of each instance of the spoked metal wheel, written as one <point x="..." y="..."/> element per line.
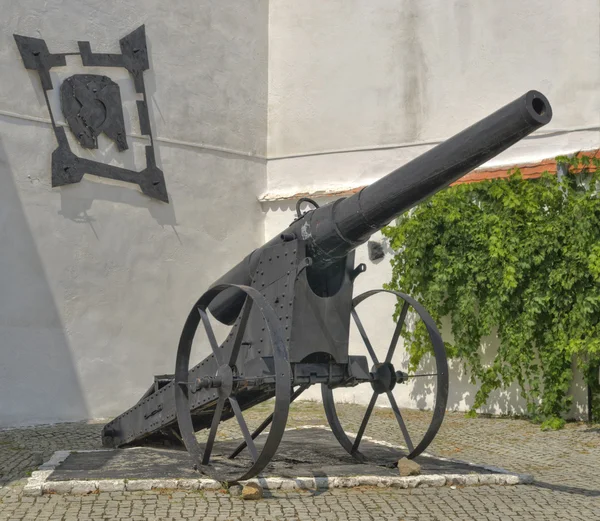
<point x="231" y="388"/>
<point x="385" y="378"/>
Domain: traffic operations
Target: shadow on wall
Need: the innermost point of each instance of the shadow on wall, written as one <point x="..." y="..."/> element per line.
<point x="509" y="400"/>
<point x="77" y="199"/>
<point x="37" y="375"/>
<point x="462" y="392"/>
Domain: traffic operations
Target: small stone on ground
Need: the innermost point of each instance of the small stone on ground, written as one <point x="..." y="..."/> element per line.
<point x="408" y="467"/>
<point x="252" y="491"/>
<point x="235" y="490"/>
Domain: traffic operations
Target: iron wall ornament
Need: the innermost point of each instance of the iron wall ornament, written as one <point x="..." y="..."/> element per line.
<point x="89" y="103"/>
<point x="290" y="304"/>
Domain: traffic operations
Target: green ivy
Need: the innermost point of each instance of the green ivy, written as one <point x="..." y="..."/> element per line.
<point x="552" y="424"/>
<point x="516" y="258"/>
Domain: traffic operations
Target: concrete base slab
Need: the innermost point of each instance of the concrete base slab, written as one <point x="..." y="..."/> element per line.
<point x="308" y="458"/>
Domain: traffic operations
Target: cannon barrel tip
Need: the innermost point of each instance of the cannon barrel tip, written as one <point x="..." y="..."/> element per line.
<point x="538" y="107"/>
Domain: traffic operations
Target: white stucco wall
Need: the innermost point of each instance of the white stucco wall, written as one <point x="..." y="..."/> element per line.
<point x="380" y="82"/>
<point x="96" y="279"/>
<point x="246" y="98"/>
<point x="357" y="89"/>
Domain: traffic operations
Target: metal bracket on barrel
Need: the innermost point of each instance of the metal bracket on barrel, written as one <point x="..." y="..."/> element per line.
<point x="303" y="264"/>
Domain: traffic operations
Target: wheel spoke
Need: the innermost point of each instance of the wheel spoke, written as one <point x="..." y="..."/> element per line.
<point x="400" y="421"/>
<point x="364" y="423"/>
<point x="266" y="423"/>
<point x="397" y="332"/>
<point x="213" y="430"/>
<point x="364" y="336"/>
<point x="211" y="335"/>
<point x="242" y="423"/>
<point x="239" y="334"/>
<point x="418" y="375"/>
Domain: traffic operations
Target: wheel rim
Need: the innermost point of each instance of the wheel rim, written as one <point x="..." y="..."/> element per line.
<point x="200" y="456"/>
<point x="441" y="395"/>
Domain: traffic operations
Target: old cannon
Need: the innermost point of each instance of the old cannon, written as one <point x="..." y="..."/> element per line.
<point x="290" y="305"/>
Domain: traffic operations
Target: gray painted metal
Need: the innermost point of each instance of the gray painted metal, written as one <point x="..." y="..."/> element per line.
<point x="255" y="359"/>
<point x="440" y="375"/>
<point x="290" y="304"/>
<point x="333" y="230"/>
<point x="232" y="379"/>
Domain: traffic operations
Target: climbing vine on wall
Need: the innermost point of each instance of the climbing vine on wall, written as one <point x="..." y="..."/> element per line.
<point x="517" y="258"/>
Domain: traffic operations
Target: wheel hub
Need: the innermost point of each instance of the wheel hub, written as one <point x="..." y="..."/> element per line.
<point x="225" y="377"/>
<point x="383" y="377"/>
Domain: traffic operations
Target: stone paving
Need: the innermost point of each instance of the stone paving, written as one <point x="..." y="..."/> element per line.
<point x="566" y="465"/>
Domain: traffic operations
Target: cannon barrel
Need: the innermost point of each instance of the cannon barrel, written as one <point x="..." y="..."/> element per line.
<point x="334" y="230"/>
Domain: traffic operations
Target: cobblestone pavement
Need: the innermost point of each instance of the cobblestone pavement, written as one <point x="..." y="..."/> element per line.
<point x="566" y="465"/>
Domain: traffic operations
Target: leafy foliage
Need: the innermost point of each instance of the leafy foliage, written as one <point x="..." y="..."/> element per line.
<point x="512" y="257"/>
<point x="552" y="424"/>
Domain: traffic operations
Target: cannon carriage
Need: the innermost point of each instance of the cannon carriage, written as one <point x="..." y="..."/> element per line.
<point x="290" y="305"/>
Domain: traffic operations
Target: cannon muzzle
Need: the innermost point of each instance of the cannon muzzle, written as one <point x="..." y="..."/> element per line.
<point x="334" y="230"/>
